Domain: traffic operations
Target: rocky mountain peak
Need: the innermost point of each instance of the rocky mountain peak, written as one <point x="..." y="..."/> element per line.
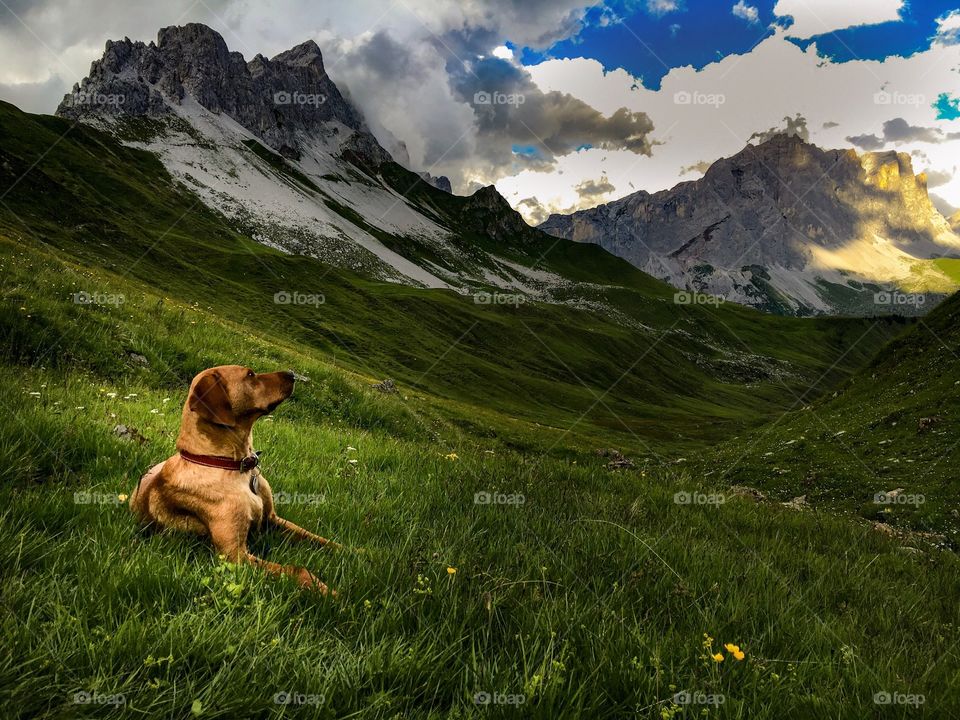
<point x="286" y="101"/>
<point x="776" y="224"/>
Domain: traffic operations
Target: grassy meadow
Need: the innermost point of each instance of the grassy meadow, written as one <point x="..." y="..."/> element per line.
<point x="506" y="571"/>
<point x="576" y="591"/>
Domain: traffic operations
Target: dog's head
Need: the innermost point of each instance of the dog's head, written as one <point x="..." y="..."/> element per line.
<point x="233" y="395"/>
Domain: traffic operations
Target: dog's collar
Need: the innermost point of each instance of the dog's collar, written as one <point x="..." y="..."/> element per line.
<point x="224" y="463"/>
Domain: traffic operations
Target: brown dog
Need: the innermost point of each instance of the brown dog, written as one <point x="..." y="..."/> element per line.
<point x="212" y="486"/>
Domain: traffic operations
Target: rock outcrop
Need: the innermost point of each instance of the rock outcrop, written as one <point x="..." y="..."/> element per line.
<point x="282" y="100"/>
<point x="770" y="224"/>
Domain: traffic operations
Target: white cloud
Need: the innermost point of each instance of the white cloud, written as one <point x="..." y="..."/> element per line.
<point x="746" y="12"/>
<point x="948" y="29"/>
<point x="815" y="17"/>
<point x="836" y="100"/>
<point x="662" y="7"/>
<point x="502" y="52"/>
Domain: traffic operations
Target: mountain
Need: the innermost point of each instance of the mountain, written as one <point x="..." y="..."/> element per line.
<point x="76" y="197"/>
<point x="787" y="227"/>
<point x="274" y="146"/>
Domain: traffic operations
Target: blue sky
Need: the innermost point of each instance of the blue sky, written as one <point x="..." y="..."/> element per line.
<point x="647" y="44"/>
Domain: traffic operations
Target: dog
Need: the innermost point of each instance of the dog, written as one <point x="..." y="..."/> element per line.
<point x="213" y="486"/>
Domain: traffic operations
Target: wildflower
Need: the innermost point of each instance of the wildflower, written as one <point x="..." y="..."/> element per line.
<point x="731" y="648"/>
<point x="718" y="657"/>
<point x="351" y="448"/>
<point x="352" y="462"/>
<point x="739" y="655"/>
<point x="121" y="497"/>
<point x="452" y="456"/>
<point x="451" y="571"/>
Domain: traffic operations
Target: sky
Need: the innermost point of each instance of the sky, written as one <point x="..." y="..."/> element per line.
<point x="566" y="105"/>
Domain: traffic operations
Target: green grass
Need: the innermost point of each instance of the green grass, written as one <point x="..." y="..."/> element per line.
<point x="893" y="425"/>
<point x="950" y="267"/>
<point x="589" y="599"/>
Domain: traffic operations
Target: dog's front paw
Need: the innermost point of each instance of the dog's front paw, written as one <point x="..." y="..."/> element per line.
<point x="310" y="581"/>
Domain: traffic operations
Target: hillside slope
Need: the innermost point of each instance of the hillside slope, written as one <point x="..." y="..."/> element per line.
<point x="618" y="356"/>
<point x="274" y="146"/>
<point x="786" y="227"/>
<point x="894" y="425"/>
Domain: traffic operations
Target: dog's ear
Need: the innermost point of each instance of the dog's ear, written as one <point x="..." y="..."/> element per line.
<point x="210" y="399"/>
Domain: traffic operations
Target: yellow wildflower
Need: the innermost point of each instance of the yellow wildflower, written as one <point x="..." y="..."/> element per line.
<point x="718" y="657"/>
<point x="451" y="571"/>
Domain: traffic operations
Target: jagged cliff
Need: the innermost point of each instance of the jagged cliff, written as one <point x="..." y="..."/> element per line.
<point x="781" y="225"/>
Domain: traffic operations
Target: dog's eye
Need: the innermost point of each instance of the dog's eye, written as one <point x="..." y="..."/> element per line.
<point x="250" y="373"/>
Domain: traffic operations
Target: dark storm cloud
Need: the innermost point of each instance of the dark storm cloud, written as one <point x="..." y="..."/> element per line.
<point x="511" y="110"/>
<point x="866" y="142"/>
<point x="899" y="130"/>
<point x="593" y="188"/>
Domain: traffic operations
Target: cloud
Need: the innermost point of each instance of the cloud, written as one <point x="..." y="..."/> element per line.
<point x="948" y="29"/>
<point x="829" y="101"/>
<point x="817" y="17"/>
<point x="700" y="167"/>
<point x="592" y="189"/>
<point x="866" y="142"/>
<point x="510" y="110"/>
<point x="899" y="131"/>
<point x="532" y="210"/>
<point x="659" y="8"/>
<point x="746" y="12"/>
<point x="936" y="178"/>
<point x="793" y="126"/>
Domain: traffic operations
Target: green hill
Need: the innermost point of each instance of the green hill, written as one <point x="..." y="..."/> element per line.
<point x="600" y="594"/>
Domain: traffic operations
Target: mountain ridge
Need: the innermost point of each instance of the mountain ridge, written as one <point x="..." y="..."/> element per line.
<point x="782" y="224"/>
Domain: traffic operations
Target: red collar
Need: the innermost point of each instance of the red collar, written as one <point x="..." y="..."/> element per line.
<point x="224" y="463"/>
